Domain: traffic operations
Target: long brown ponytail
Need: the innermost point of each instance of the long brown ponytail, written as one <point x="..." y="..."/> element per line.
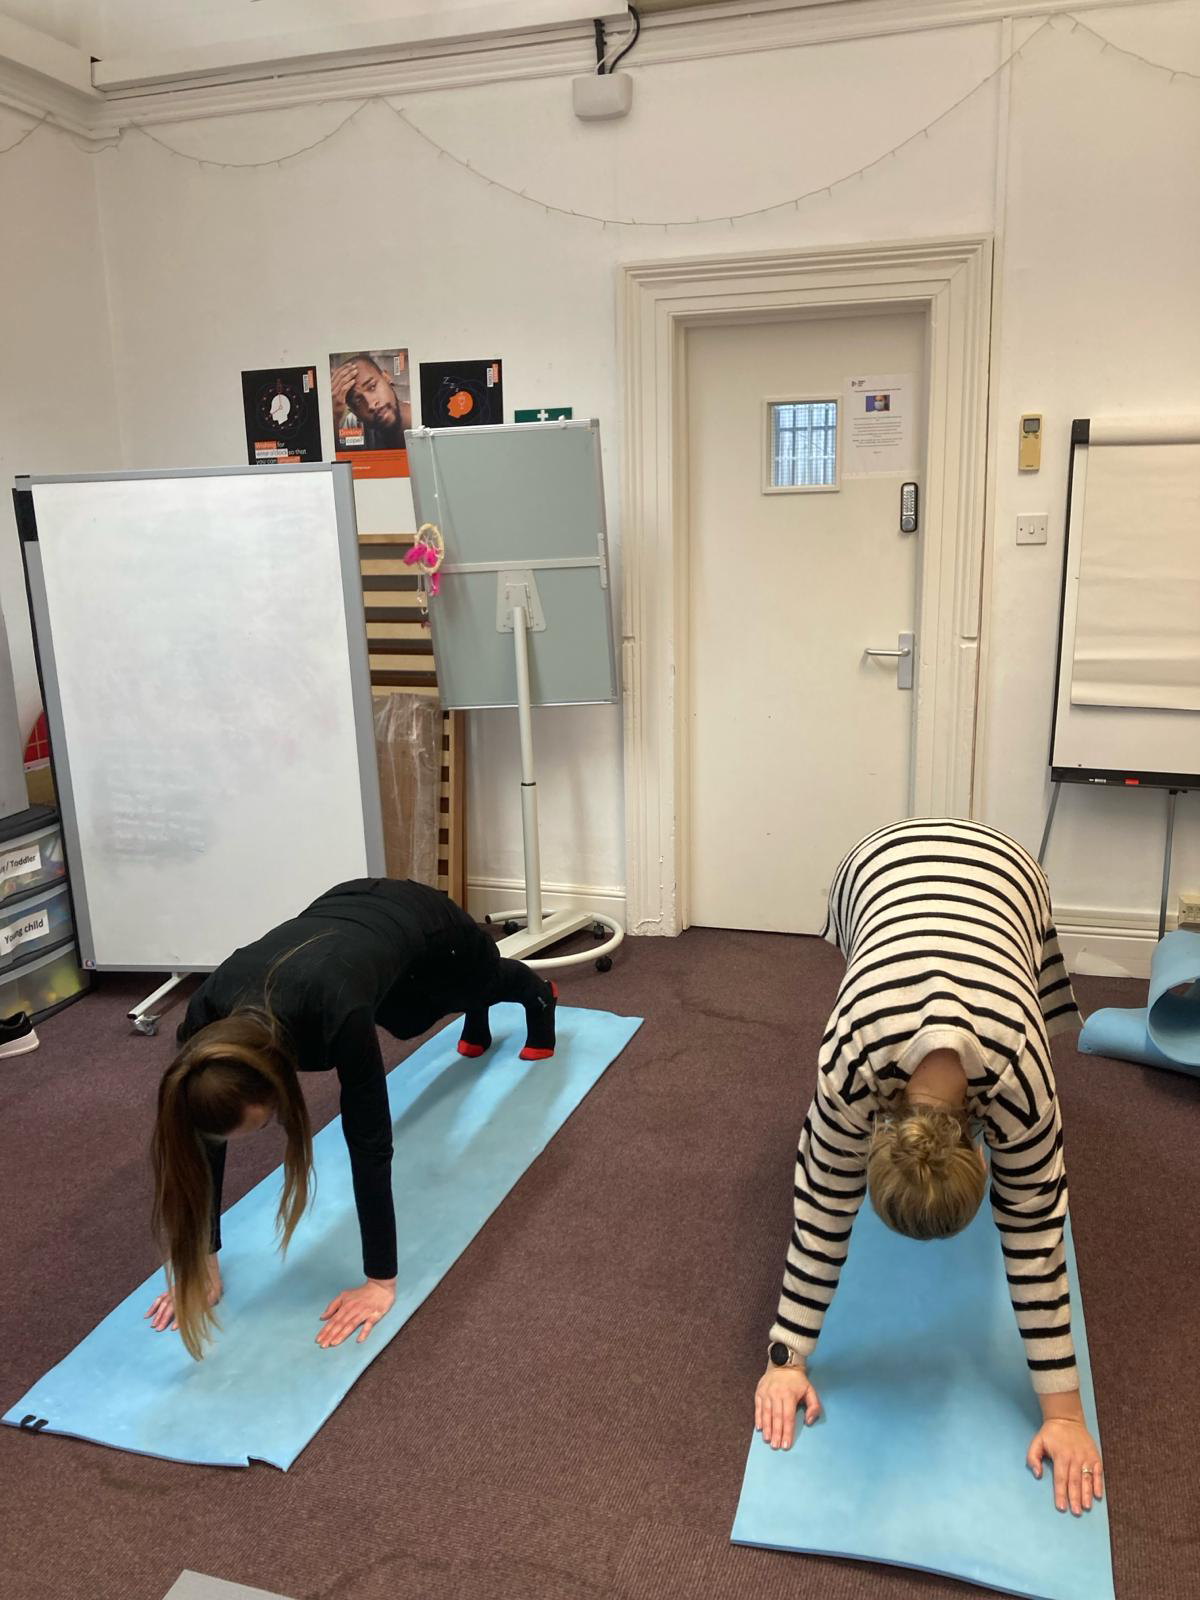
<point x="226" y="1067"/>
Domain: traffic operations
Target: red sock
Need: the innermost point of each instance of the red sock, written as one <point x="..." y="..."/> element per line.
<point x="530" y="1054"/>
<point x="472" y="1050"/>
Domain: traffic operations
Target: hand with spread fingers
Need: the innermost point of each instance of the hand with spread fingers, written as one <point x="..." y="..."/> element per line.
<point x="354" y="1309"/>
<point x="161" y="1314"/>
<point x="781" y="1392"/>
<point x="1078" y="1469"/>
<point x="341" y="382"/>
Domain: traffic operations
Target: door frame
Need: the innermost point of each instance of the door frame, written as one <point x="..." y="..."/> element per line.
<point x="660" y="300"/>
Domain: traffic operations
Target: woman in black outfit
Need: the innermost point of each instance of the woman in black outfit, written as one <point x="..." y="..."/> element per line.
<point x="307" y="997"/>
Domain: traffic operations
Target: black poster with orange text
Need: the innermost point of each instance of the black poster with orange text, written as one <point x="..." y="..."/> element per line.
<point x="461" y="394"/>
<point x="283" y="423"/>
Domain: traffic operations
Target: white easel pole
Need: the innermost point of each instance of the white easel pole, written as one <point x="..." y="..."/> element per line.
<point x="529" y="807"/>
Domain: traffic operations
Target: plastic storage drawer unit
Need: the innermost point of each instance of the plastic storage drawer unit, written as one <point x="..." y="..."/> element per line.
<point x="33" y="923"/>
<point x="43" y="984"/>
<point x="31" y="852"/>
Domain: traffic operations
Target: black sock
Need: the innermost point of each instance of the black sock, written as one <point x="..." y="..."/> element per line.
<point x="476" y="1033"/>
<point x="539" y="1018"/>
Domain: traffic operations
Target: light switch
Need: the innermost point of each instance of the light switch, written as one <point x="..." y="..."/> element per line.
<point x="1031" y="528"/>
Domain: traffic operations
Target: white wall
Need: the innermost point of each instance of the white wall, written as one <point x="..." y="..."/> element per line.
<point x="1098" y="317"/>
<point x="372" y="239"/>
<point x="57" y="408"/>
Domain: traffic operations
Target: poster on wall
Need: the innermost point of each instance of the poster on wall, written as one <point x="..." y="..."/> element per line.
<point x="461" y="394"/>
<point x="283" y="423"/>
<point x="879" y="435"/>
<point x="372" y="406"/>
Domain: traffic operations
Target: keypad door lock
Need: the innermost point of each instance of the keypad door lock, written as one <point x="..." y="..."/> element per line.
<point x="908" y="507"/>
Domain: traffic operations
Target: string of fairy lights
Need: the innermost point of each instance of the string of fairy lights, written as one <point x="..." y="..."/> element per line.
<point x="1064" y="22"/>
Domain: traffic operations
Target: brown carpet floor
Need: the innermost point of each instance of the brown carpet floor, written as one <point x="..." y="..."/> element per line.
<point x="567" y="1416"/>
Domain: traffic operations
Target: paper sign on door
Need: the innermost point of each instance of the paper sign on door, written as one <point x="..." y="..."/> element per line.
<point x="35" y="926"/>
<point x="879" y="429"/>
<point x="18" y="863"/>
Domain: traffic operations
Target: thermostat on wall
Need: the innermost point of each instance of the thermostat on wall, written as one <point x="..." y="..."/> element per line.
<point x="1029" y="449"/>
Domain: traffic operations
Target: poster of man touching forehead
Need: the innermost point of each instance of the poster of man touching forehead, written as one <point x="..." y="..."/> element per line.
<point x="372" y="406"/>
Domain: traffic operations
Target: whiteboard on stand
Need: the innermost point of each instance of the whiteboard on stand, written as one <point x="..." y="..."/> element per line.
<point x="525" y="501"/>
<point x="203" y="655"/>
<point x="1127" y="684"/>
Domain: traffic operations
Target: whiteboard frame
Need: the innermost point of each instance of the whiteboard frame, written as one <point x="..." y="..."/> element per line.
<point x="1085" y="432"/>
<point x="47" y="668"/>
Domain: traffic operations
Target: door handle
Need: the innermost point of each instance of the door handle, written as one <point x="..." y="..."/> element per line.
<point x="903" y="656"/>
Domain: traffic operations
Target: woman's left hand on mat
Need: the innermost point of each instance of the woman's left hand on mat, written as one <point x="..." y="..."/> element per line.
<point x="356" y="1308"/>
<point x="1078" y="1470"/>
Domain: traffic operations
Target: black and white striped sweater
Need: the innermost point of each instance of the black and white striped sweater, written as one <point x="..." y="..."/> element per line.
<point x="947" y="931"/>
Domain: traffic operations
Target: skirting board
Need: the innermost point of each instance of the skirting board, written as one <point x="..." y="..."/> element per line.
<point x="1107" y="944"/>
<point x="487" y="896"/>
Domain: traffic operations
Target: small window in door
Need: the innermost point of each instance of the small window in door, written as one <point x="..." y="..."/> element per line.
<point x="800" y="446"/>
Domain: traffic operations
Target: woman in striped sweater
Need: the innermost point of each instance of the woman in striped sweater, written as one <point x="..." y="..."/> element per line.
<point x="954" y="986"/>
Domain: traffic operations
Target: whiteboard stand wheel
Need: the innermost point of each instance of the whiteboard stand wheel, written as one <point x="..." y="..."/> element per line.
<point x="145" y="1021"/>
<point x="599" y="931"/>
<point x="604" y="963"/>
<point x="511" y="927"/>
<point x="556" y="928"/>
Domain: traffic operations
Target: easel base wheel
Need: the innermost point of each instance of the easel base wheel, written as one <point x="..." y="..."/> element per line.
<point x="557" y="926"/>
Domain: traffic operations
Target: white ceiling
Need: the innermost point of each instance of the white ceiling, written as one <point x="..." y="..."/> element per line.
<point x="107" y="28"/>
<point x="138" y="44"/>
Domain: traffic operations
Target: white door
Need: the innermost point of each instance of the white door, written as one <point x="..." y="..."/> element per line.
<point x="800" y="742"/>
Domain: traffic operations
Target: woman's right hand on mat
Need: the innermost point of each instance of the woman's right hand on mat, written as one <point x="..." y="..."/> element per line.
<point x="781" y="1392"/>
<point x="162" y="1313"/>
<point x="354" y="1309"/>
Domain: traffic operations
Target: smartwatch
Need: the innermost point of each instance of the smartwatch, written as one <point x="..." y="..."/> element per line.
<point x="782" y="1355"/>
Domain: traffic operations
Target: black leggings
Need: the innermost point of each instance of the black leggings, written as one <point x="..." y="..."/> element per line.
<point x="514" y="981"/>
<point x="463" y="971"/>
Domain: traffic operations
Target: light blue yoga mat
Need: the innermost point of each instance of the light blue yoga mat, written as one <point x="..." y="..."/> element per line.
<point x="464" y="1132"/>
<point x="919" y="1460"/>
<point x="1166" y="1031"/>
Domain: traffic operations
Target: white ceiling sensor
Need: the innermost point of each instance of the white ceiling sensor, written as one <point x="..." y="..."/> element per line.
<point x="602" y="96"/>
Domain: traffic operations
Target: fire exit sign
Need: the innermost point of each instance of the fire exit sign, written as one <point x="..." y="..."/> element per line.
<point x="544" y="414"/>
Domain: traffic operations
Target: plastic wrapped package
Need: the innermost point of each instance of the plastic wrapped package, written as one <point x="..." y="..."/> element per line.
<point x="408" y="746"/>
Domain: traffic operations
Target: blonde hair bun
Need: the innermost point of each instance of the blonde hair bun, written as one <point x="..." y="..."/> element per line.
<point x="926" y="1141"/>
<point x="924" y="1176"/>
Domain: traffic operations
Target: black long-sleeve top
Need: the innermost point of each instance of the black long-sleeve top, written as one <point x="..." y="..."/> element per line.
<point x="373" y="950"/>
